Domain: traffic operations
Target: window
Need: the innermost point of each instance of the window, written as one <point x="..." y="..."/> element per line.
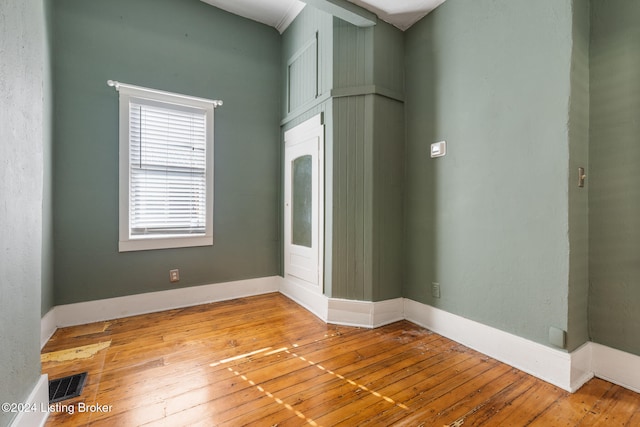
<point x="166" y="169"/>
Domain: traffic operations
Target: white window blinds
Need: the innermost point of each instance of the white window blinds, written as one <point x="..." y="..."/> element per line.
<point x="168" y="169"/>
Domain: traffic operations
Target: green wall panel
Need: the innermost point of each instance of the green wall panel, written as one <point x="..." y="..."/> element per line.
<point x="307" y="46"/>
<point x="368" y="197"/>
<point x="577" y="329"/>
<point x="302" y="76"/>
<point x="352" y="203"/>
<point x="388" y="198"/>
<point x="368" y="162"/>
<point x="388" y="65"/>
<point x="368" y="60"/>
<point x="614" y="176"/>
<point x="186" y="47"/>
<point x="353" y="52"/>
<point x="489" y="221"/>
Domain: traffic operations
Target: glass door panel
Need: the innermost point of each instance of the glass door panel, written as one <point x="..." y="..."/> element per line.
<point x="302" y="201"/>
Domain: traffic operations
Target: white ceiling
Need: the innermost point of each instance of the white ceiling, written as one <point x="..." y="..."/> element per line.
<point x="401" y="13"/>
<point x="280" y="13"/>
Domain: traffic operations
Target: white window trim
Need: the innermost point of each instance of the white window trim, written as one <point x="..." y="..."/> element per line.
<point x="140" y="243"/>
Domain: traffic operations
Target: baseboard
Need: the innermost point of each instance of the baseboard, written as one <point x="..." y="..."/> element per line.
<point x="48" y="327"/>
<point x="581" y="366"/>
<point x="388" y="311"/>
<point x="568" y="371"/>
<point x="550" y="365"/>
<point x="39" y="401"/>
<point x="114" y="308"/>
<point x="301" y="294"/>
<point x="365" y="313"/>
<point x="616" y="366"/>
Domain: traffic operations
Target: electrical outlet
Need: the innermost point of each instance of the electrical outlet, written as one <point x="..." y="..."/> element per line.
<point x="174" y="275"/>
<point x="435" y="290"/>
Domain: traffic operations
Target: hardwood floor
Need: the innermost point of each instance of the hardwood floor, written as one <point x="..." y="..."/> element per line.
<point x="266" y="361"/>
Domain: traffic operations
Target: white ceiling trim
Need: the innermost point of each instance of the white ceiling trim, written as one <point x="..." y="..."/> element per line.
<point x="400" y="13"/>
<point x="294" y="9"/>
<point x="280" y="13"/>
<point x="276" y="13"/>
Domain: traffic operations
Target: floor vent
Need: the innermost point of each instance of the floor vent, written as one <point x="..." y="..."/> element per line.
<point x="67" y="387"/>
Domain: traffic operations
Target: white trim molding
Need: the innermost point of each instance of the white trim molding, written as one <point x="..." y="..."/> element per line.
<point x="39" y="400"/>
<point x="48" y="327"/>
<point x="114" y="308"/>
<point x="616" y="366"/>
<point x="546" y="363"/>
<point x="311" y="300"/>
<point x="365" y="314"/>
<point x="302" y="262"/>
<point x="581" y="366"/>
<point x="568" y="371"/>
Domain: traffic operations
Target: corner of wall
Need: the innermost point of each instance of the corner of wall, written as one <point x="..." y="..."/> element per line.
<point x="38" y="402"/>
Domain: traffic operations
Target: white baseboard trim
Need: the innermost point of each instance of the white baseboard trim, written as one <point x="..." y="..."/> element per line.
<point x="388" y="311"/>
<point x="302" y="295"/>
<point x="365" y="314"/>
<point x="48" y="327"/>
<point x="114" y="308"/>
<point x="568" y="371"/>
<point x="553" y="366"/>
<point x="39" y="400"/>
<point x="581" y="366"/>
<point x="616" y="366"/>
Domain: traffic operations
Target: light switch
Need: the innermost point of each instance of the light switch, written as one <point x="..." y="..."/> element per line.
<point x="438" y="149"/>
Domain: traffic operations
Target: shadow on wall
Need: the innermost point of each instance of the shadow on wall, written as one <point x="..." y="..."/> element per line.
<point x="421" y="281"/>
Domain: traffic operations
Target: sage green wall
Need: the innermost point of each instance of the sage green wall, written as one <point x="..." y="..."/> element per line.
<point x="24" y="79"/>
<point x="577" y="330"/>
<point x="614" y="176"/>
<point x="388" y="251"/>
<point x="368" y="197"/>
<point x="489" y="221"/>
<point x="368" y="161"/>
<point x="352" y="160"/>
<point x="183" y="46"/>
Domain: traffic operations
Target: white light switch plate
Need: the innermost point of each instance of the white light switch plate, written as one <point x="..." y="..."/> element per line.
<point x="438" y="149"/>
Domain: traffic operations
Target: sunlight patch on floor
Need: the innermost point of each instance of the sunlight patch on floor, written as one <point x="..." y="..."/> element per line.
<point x="267" y="351"/>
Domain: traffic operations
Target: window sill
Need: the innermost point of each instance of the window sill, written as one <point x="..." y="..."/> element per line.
<point x="151" y="243"/>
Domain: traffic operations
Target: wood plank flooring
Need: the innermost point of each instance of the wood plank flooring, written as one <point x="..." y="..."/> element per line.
<point x="265" y="361"/>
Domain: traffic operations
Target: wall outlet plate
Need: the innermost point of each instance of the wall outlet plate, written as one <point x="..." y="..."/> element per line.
<point x="174" y="275"/>
<point x="435" y="290"/>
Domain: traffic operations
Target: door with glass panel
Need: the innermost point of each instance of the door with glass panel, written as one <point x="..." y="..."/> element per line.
<point x="303" y="204"/>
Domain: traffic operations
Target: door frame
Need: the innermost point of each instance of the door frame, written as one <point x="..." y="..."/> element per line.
<point x="310" y="128"/>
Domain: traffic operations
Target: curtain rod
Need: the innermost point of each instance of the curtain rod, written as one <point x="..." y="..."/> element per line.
<point x="118" y="85"/>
